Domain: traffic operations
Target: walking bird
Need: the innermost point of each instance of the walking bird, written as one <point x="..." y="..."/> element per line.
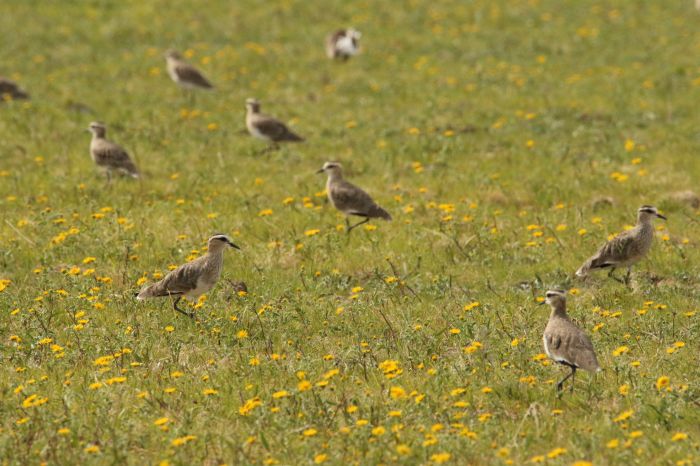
<point x="10" y="90"/>
<point x="266" y="127"/>
<point x="184" y="74"/>
<point x="343" y="44"/>
<point x="564" y="342"/>
<point x="348" y="198"/>
<point x="107" y="155"/>
<point x="193" y="278"/>
<point x="625" y="249"/>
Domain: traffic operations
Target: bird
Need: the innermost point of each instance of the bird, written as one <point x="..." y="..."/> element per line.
<point x="564" y="342"/>
<point x="343" y="44"/>
<point x="193" y="278"/>
<point x="348" y="198"/>
<point x="10" y="90"/>
<point x="266" y="127"/>
<point x="184" y="74"/>
<point x="625" y="249"/>
<point x="108" y="155"/>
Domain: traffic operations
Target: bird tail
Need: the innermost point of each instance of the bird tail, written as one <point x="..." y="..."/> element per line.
<point x="377" y="212"/>
<point x="293" y="137"/>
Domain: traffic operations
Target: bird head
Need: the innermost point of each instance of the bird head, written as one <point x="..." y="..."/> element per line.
<point x="555" y="298"/>
<point x="98" y="129"/>
<point x="218" y="242"/>
<point x="646" y="212"/>
<point x="172" y="54"/>
<point x="252" y="105"/>
<point x="331" y="168"/>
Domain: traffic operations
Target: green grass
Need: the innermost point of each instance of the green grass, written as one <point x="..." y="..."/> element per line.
<point x="468" y="121"/>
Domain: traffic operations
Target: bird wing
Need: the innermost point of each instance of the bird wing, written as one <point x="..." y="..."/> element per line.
<point x="349" y="198"/>
<point x="582" y="352"/>
<point x="615" y="250"/>
<point x="190" y="74"/>
<point x="275" y="129"/>
<point x="114" y="156"/>
<point x="179" y="281"/>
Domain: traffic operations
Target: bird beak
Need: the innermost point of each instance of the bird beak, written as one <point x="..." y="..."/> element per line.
<point x="542" y="303"/>
<point x="234" y="246"/>
<point x="661" y="216"/>
<point x="319" y="171"/>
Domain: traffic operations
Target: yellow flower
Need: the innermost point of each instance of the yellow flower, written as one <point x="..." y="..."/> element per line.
<point x="92" y="449"/>
<point x="309" y="432"/>
<point x="161" y="421"/>
<point x="320" y="458"/>
<point x="556" y="453"/>
<point x="63" y="431"/>
<point x="623" y="416"/>
<point x="182" y="440"/>
<point x="679" y="437"/>
<point x="439" y="458"/>
<point x="209" y="391"/>
<point x="662" y="382"/>
<point x="242" y="334"/>
<point x="304" y="385"/>
<point x="620" y="350"/>
<point x="614" y="443"/>
<point x="624" y="389"/>
<point x="378" y="431"/>
<point x="403" y="449"/>
<point x="312" y="232"/>
<point x="280" y="394"/>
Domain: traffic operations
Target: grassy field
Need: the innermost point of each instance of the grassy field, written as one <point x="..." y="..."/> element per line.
<point x="507" y="139"/>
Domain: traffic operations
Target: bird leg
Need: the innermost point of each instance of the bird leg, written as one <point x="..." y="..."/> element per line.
<point x="611" y="275"/>
<point x="560" y="385"/>
<point x="355" y="225"/>
<point x="190" y="315"/>
<point x="627" y="277"/>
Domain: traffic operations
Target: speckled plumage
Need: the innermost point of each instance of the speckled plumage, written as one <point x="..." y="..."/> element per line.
<point x="265" y="127"/>
<point x="348" y="198"/>
<point x="108" y="155"/>
<point x="627" y="248"/>
<point x="193" y="278"/>
<point x="564" y="342"/>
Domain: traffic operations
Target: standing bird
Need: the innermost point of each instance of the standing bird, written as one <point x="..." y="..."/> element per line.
<point x="348" y="198"/>
<point x="266" y="127"/>
<point x="343" y="44"/>
<point x="625" y="249"/>
<point x="10" y="90"/>
<point x="185" y="75"/>
<point x="564" y="342"/>
<point x="108" y="155"/>
<point x="193" y="278"/>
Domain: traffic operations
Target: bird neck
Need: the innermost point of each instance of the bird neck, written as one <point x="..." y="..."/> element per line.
<point x="644" y="219"/>
<point x="559" y="310"/>
<point x="334" y="176"/>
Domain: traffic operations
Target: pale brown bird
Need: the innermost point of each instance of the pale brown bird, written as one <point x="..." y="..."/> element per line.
<point x="348" y="198"/>
<point x="193" y="278"/>
<point x="343" y="44"/>
<point x="265" y="127"/>
<point x="184" y="74"/>
<point x="625" y="249"/>
<point x="10" y="90"/>
<point x="564" y="342"/>
<point x="108" y="155"/>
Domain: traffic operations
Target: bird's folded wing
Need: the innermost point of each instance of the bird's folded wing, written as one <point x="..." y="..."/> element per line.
<point x="615" y="250"/>
<point x="179" y="281"/>
<point x="271" y="128"/>
<point x="190" y="74"/>
<point x="348" y="197"/>
<point x="112" y="153"/>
